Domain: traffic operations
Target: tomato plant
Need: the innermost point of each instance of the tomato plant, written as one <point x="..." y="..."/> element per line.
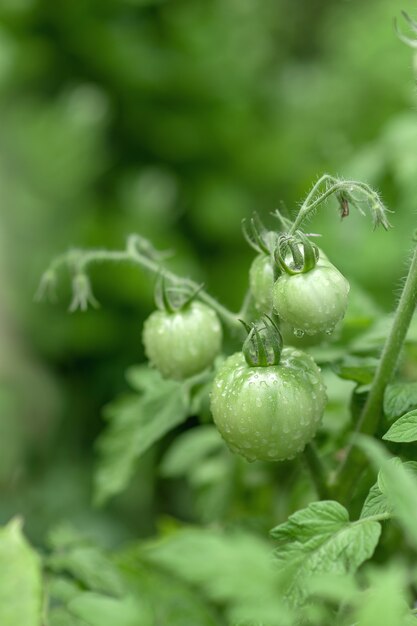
<point x="283" y="453"/>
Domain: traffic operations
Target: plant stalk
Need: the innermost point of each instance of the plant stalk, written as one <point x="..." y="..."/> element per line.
<point x="354" y="461"/>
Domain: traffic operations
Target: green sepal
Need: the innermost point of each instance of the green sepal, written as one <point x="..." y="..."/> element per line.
<point x="174" y="299"/>
<point x="303" y="262"/>
<point x="263" y="345"/>
<point x="258" y="237"/>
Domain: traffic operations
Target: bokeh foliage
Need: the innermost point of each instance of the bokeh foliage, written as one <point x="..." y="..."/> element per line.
<point x="176" y="119"/>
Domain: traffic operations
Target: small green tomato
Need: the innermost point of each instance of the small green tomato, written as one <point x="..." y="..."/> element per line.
<point x="261" y="282"/>
<point x="312" y="302"/>
<point x="184" y="342"/>
<point x="268" y="413"/>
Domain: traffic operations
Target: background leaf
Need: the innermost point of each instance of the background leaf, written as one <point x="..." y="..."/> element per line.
<point x="400" y="398"/>
<point x="404" y="429"/>
<point x="136" y="423"/>
<point x="20" y="579"/>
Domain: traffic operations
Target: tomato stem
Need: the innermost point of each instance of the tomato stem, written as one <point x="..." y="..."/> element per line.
<point x="354" y="462"/>
<point x="332" y="186"/>
<point x="137" y="251"/>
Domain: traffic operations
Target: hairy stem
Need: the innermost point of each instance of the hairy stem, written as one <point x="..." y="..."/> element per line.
<point x="369" y="419"/>
<point x="317" y="470"/>
<point x="135" y="252"/>
<point x="333" y="186"/>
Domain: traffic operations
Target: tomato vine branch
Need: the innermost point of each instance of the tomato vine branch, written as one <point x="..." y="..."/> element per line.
<point x="344" y="190"/>
<point x="138" y="251"/>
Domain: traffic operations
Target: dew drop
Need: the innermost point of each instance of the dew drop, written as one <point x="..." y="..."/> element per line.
<point x="298" y="332"/>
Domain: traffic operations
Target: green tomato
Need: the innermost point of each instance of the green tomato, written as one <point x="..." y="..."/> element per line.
<point x="313" y="302"/>
<point x="268" y="413"/>
<point x="182" y="343"/>
<point x="294" y="338"/>
<point x="261" y="282"/>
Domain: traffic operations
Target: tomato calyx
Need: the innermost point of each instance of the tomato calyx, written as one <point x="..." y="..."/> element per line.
<point x="175" y="298"/>
<point x="304" y="253"/>
<point x="263" y="345"/>
<point x="258" y="237"/>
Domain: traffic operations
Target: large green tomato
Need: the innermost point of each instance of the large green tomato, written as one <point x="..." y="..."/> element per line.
<point x="182" y="343"/>
<point x="312" y="302"/>
<point x="268" y="413"/>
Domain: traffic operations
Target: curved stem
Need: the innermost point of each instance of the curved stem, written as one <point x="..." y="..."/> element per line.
<point x="368" y="422"/>
<point x="335" y="186"/>
<point x="80" y="260"/>
<point x="317" y="470"/>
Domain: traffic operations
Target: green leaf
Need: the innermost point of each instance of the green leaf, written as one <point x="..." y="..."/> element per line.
<point x="321" y="540"/>
<point x="20" y="579"/>
<point x="360" y="370"/>
<point x="172" y="601"/>
<point x="98" y="610"/>
<point x="376" y="503"/>
<point x="404" y="429"/>
<point x="188" y="450"/>
<point x="375" y="337"/>
<point x="136" y="423"/>
<point x="90" y="566"/>
<point x="385" y="601"/>
<point x="397" y="482"/>
<point x="400" y="398"/>
<point x="231" y="569"/>
<point x="59" y="616"/>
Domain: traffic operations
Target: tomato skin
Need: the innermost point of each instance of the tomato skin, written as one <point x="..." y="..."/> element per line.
<point x="312" y="302"/>
<point x="304" y="341"/>
<point x="268" y="413"/>
<point x="182" y="343"/>
<point x="261" y="282"/>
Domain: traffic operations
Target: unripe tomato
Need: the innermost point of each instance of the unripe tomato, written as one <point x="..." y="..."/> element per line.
<point x="182" y="343"/>
<point x="312" y="302"/>
<point x="268" y="413"/>
<point x="261" y="282"/>
<point x="294" y="338"/>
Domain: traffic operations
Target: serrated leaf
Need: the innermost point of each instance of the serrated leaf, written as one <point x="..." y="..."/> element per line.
<point x="398" y="484"/>
<point x="400" y="398"/>
<point x="321" y="540"/>
<point x="360" y="370"/>
<point x="231" y="569"/>
<point x="376" y="503"/>
<point x="90" y="566"/>
<point x="20" y="579"/>
<point x="143" y="378"/>
<point x="404" y="430"/>
<point x="190" y="449"/>
<point x="171" y="600"/>
<point x="136" y="423"/>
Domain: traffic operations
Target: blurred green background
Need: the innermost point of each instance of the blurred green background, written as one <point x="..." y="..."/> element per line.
<point x="174" y="119"/>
